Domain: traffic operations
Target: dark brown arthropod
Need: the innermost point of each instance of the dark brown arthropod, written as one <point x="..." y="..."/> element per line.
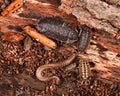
<point x="84" y="38"/>
<point x="56" y="29"/>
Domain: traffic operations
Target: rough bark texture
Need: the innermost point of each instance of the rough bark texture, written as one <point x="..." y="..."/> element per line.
<point x="103" y="15"/>
<point x="97" y="14"/>
<point x="103" y="53"/>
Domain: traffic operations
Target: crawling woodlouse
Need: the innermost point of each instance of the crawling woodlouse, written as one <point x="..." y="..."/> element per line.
<point x="56" y="29"/>
<point x="55" y="65"/>
<point x="84" y="38"/>
<point x="84" y="69"/>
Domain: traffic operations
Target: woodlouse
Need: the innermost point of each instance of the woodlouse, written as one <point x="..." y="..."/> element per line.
<point x="84" y="38"/>
<point x="40" y="69"/>
<point x="84" y="69"/>
<point x="56" y="29"/>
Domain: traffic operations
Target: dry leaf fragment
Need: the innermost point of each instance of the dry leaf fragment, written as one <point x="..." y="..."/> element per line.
<point x="12" y="37"/>
<point x="15" y="5"/>
<point x="39" y="37"/>
<point x="27" y="43"/>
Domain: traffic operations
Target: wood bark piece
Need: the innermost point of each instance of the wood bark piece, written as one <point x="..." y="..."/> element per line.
<point x="97" y="14"/>
<point x="40" y="37"/>
<point x="15" y="5"/>
<point x="12" y="37"/>
<point x="113" y="2"/>
<point x="7" y="21"/>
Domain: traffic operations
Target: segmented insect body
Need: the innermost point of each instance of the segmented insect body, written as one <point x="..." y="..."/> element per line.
<point x="57" y="29"/>
<point x="84" y="69"/>
<point x="40" y="69"/>
<point x="84" y="38"/>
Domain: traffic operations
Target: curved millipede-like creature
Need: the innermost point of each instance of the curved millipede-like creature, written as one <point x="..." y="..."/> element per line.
<point x="55" y="65"/>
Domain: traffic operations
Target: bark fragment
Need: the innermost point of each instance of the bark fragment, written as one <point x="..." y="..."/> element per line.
<point x="97" y="14"/>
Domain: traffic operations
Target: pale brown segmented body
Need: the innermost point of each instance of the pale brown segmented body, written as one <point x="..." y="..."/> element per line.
<point x="40" y="69"/>
<point x="84" y="69"/>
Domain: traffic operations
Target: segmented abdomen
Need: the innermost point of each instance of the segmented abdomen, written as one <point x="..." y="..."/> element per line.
<point x="56" y="29"/>
<point x="84" y="38"/>
<point x="84" y="69"/>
